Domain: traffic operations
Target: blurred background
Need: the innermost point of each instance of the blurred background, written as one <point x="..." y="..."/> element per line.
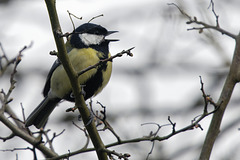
<point x="160" y="80"/>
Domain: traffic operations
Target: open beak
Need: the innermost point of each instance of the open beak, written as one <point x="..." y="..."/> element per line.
<point x="111" y="32"/>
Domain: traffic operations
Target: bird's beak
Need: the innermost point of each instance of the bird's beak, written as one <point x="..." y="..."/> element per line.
<point x="111" y="32"/>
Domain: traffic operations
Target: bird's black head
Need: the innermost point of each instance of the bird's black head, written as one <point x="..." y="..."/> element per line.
<point x="90" y="35"/>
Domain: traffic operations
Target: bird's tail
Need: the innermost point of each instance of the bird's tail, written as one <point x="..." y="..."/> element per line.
<point x="39" y="116"/>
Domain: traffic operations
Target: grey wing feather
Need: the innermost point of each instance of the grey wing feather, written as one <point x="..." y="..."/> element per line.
<point x="54" y="66"/>
<point x="47" y="84"/>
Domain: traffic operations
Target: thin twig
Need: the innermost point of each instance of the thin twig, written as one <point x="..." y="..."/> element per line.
<point x="8" y="137"/>
<point x="153" y="134"/>
<point x="110" y="153"/>
<point x="23" y="114"/>
<point x="95" y="17"/>
<point x="86" y="134"/>
<point x="104" y="121"/>
<point x="194" y="124"/>
<point x="205" y="25"/>
<point x="182" y="11"/>
<point x="128" y="52"/>
<point x="15" y="149"/>
<point x="215" y="14"/>
<point x="70" y="16"/>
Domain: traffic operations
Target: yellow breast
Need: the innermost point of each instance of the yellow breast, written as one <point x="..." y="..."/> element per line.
<point x="80" y="59"/>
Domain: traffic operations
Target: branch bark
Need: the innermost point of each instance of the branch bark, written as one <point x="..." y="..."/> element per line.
<point x="232" y="78"/>
<point x="16" y="125"/>
<point x="30" y="139"/>
<point x="73" y="76"/>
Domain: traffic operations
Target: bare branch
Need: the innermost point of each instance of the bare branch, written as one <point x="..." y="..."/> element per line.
<point x="103" y="119"/>
<point x="8" y="137"/>
<point x="231" y="80"/>
<point x="205" y="25"/>
<point x="70" y="14"/>
<point x="83" y="149"/>
<point x="120" y="54"/>
<point x="215" y="14"/>
<point x="17" y="128"/>
<point x="15" y="149"/>
<point x="73" y="78"/>
<point x="5" y="96"/>
<point x="50" y="141"/>
<point x="153" y="134"/>
<point x="16" y="61"/>
<point x="95" y="17"/>
<point x="173" y="125"/>
<point x="110" y="153"/>
<point x="82" y="129"/>
<point x="23" y="114"/>
<point x="182" y="11"/>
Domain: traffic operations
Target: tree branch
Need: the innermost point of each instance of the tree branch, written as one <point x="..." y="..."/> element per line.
<point x="17" y="128"/>
<point x="20" y="133"/>
<point x="8" y="137"/>
<point x="73" y="77"/>
<point x="153" y="135"/>
<point x="120" y="54"/>
<point x="205" y="25"/>
<point x="233" y="77"/>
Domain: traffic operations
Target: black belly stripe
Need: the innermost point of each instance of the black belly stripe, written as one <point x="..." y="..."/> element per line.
<point x="92" y="85"/>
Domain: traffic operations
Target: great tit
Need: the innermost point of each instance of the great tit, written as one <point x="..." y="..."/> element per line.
<point x="86" y="46"/>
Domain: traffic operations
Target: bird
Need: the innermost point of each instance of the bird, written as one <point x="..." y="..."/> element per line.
<point x="86" y="46"/>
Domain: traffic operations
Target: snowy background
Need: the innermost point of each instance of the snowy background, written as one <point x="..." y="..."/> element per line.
<point x="160" y="80"/>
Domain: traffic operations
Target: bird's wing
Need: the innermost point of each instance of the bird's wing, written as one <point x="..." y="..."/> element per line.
<point x="47" y="84"/>
<point x="54" y="66"/>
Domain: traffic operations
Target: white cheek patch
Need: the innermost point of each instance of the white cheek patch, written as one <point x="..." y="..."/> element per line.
<point x="91" y="39"/>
